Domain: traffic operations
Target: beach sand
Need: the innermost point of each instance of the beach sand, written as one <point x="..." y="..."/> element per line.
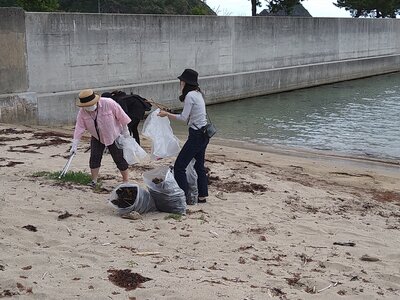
<point x="278" y="224"/>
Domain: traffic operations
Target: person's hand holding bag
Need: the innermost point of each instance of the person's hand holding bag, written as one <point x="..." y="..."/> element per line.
<point x="125" y="131"/>
<point x="162" y="113"/>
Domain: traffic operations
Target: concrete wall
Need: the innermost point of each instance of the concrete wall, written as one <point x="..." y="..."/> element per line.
<point x="236" y="57"/>
<point x="12" y="51"/>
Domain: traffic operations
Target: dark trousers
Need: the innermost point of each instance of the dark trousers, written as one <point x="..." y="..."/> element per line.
<point x="195" y="147"/>
<point x="133" y="129"/>
<point x="96" y="155"/>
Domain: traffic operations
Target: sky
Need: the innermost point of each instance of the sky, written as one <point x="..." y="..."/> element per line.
<point x="317" y="8"/>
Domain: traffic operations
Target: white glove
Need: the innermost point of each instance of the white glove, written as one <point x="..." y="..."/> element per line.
<point x="125" y="131"/>
<point x="74" y="147"/>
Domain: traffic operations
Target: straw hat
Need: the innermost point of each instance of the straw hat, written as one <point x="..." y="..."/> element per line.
<point x="87" y="98"/>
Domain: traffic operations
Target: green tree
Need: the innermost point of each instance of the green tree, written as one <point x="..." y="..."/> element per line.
<point x="174" y="7"/>
<point x="38" y="5"/>
<point x="8" y="3"/>
<point x="371" y="8"/>
<point x="282" y="5"/>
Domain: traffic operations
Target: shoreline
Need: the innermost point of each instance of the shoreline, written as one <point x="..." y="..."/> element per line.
<point x="273" y="149"/>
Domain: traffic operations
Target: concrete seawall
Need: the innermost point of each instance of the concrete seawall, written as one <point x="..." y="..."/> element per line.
<point x="54" y="55"/>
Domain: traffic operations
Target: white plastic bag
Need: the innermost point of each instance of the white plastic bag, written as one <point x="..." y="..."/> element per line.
<point x="143" y="203"/>
<point x="166" y="193"/>
<point x="133" y="153"/>
<point x="158" y="129"/>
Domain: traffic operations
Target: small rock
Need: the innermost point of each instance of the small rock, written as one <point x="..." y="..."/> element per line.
<point x="134" y="215"/>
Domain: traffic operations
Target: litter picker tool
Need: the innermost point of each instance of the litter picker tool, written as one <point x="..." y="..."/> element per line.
<point x="66" y="167"/>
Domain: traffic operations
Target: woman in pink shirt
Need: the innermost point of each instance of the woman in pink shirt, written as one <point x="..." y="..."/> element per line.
<point x="106" y="121"/>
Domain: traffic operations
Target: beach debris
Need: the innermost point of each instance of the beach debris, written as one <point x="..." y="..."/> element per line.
<point x="236" y="279"/>
<point x="30" y="228"/>
<point x="241" y="260"/>
<point x="26" y="268"/>
<point x="243" y="248"/>
<point x="12" y="164"/>
<point x="134" y="215"/>
<point x="22" y="288"/>
<point x="304" y="258"/>
<point x="211" y="179"/>
<point x="328" y="287"/>
<point x="126" y="196"/>
<point x="386" y="196"/>
<point x="176" y="217"/>
<point x="147" y="253"/>
<point x="351" y="175"/>
<point x="64" y="215"/>
<point x="44" y="275"/>
<point x="248" y="162"/>
<point x="262" y="238"/>
<point x="354" y="278"/>
<point x="212" y="281"/>
<point x="8" y="293"/>
<point x="236" y="186"/>
<point x="310" y="290"/>
<point x="11" y="149"/>
<point x="213" y="233"/>
<point x="126" y="279"/>
<point x="294" y="280"/>
<point x="277" y="292"/>
<point x="348" y="244"/>
<point x="366" y="257"/>
<point x="69" y="230"/>
<point x="220" y="195"/>
<point x="8" y="131"/>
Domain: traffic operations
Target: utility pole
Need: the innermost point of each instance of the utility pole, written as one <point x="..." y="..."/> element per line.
<point x="98" y="6"/>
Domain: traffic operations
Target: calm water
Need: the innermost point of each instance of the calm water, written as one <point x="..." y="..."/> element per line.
<point x="360" y="117"/>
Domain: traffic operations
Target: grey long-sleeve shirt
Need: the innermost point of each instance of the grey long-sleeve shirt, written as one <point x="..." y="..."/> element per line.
<point x="194" y="110"/>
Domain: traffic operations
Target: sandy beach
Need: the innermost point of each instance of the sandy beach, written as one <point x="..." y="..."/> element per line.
<point x="279" y="224"/>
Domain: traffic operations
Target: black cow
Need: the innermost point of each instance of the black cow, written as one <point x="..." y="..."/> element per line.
<point x="134" y="106"/>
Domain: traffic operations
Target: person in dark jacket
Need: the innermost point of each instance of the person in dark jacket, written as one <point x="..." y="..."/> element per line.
<point x="134" y="106"/>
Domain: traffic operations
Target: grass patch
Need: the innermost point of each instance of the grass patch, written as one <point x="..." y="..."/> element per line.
<point x="74" y="177"/>
<point x="176" y="217"/>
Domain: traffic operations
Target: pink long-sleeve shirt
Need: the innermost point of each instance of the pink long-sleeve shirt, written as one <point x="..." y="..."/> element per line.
<point x="110" y="120"/>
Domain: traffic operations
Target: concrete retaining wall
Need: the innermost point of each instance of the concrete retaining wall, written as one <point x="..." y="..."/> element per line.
<point x="236" y="57"/>
<point x="13" y="75"/>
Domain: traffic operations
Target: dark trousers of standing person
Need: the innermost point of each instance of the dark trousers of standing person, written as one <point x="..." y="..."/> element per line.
<point x="133" y="129"/>
<point x="96" y="155"/>
<point x="195" y="147"/>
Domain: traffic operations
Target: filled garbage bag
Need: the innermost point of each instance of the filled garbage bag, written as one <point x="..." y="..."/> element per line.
<point x="158" y="129"/>
<point x="167" y="195"/>
<point x="128" y="197"/>
<point x="191" y="176"/>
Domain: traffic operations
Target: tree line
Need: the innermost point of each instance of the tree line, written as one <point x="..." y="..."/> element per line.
<point x="173" y="7"/>
<point x="357" y="8"/>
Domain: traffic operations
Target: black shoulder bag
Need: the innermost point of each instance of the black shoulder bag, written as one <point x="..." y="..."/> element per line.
<point x="209" y="130"/>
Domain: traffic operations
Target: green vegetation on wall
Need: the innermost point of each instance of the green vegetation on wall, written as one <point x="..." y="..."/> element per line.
<point x="172" y="7"/>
